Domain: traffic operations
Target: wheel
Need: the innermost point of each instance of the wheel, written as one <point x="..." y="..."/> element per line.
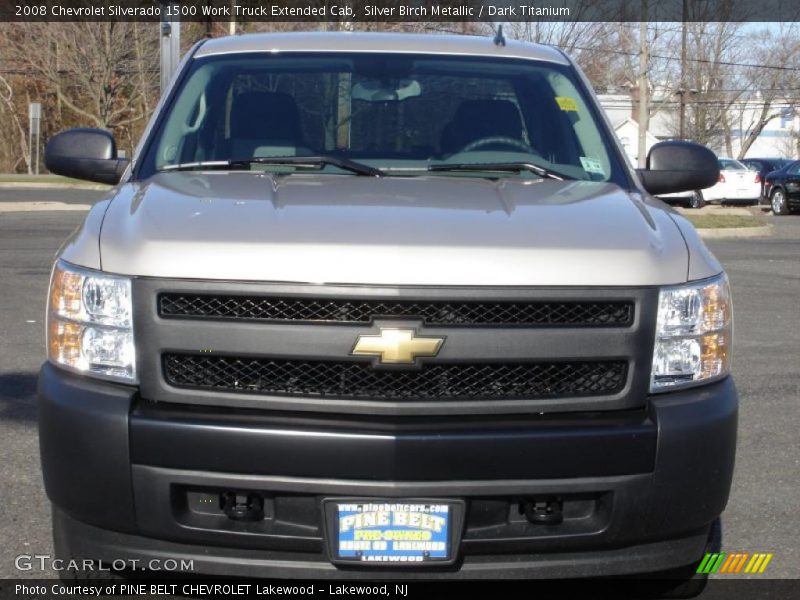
<point x="697" y="200"/>
<point x="779" y="204"/>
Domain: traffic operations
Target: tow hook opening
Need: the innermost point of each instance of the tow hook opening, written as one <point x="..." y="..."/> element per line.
<point x="543" y="511"/>
<point x="242" y="506"/>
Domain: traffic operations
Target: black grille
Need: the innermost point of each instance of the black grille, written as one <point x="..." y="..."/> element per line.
<point x="272" y="308"/>
<point x="356" y="380"/>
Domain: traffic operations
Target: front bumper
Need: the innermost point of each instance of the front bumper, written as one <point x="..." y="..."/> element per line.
<point x="640" y="488"/>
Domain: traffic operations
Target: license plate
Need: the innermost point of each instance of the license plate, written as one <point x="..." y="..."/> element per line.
<point x="393" y="532"/>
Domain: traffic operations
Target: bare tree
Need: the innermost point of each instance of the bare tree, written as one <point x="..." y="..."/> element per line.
<point x="10" y="114"/>
<point x="789" y="146"/>
<point x="102" y="73"/>
<point x="85" y="74"/>
<point x="586" y="42"/>
<point x="772" y="90"/>
<point x="716" y="84"/>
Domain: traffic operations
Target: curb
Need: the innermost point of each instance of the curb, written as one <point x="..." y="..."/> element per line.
<point x="715" y="210"/>
<point x="22" y="185"/>
<point x="735" y="232"/>
<point x="9" y="207"/>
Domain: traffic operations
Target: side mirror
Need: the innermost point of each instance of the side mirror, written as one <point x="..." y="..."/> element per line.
<point x="89" y="154"/>
<point x="677" y="166"/>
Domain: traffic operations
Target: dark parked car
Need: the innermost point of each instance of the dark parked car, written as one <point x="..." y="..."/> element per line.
<point x="782" y="189"/>
<point x="765" y="166"/>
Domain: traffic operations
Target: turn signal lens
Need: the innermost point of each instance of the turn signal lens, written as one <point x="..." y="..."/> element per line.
<point x="65" y="343"/>
<point x="65" y="293"/>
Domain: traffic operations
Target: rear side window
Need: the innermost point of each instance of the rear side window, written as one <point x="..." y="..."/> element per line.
<point x="726" y="164"/>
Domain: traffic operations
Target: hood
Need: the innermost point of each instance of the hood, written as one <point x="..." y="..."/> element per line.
<point x="436" y="230"/>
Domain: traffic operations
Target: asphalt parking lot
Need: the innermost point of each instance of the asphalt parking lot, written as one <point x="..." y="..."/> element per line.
<point x="762" y="515"/>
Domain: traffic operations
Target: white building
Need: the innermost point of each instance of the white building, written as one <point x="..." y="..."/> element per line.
<point x="628" y="133"/>
<point x="778" y="139"/>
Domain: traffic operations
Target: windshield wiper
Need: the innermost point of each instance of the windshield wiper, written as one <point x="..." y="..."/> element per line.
<point x="312" y="162"/>
<point x="505" y="167"/>
<point x="202" y="164"/>
<point x="319" y="162"/>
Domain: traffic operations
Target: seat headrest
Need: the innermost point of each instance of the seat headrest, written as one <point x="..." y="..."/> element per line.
<point x="477" y="119"/>
<point x="497" y="117"/>
<point x="265" y="116"/>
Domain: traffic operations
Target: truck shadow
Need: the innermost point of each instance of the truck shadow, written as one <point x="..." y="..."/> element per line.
<point x="18" y="397"/>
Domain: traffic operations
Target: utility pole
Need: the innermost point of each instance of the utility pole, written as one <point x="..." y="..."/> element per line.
<point x="682" y="91"/>
<point x="170" y="45"/>
<point x="34" y="122"/>
<point x="232" y="23"/>
<point x="644" y="96"/>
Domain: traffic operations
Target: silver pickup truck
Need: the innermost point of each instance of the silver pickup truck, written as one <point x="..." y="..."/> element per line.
<point x="386" y="306"/>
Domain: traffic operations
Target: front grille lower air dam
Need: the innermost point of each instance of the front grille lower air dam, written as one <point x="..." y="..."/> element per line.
<point x="358" y="380"/>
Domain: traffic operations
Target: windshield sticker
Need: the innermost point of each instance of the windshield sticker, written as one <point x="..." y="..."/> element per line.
<point x="567" y="104"/>
<point x="592" y="165"/>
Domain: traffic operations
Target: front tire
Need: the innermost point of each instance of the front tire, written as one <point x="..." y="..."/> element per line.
<point x="778" y="201"/>
<point x="697" y="201"/>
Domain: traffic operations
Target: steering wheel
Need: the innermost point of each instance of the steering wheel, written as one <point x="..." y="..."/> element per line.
<point x="496" y="139"/>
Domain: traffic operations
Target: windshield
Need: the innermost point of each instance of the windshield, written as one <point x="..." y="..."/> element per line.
<point x="402" y="114"/>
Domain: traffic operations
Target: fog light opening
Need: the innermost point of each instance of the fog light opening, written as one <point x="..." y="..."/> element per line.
<point x="242" y="506"/>
<point x="544" y="511"/>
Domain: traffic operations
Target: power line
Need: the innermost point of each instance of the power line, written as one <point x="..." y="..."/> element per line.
<point x="788" y="103"/>
<point x="730" y="63"/>
<point x="676" y="58"/>
<point x="657" y="29"/>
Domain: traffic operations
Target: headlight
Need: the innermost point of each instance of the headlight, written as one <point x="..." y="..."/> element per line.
<point x="90" y="323"/>
<point x="693" y="334"/>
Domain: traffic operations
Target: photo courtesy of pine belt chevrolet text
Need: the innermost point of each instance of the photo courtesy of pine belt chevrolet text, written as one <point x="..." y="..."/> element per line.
<point x="386" y="306"/>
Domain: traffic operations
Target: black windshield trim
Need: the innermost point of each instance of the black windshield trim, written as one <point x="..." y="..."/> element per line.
<point x="312" y="162"/>
<point x="504" y="167"/>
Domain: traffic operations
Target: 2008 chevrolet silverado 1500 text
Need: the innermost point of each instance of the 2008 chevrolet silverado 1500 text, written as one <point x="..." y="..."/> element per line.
<point x="379" y="305"/>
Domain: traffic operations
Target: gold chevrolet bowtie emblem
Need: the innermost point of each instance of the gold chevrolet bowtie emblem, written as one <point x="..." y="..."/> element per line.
<point x="397" y="346"/>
